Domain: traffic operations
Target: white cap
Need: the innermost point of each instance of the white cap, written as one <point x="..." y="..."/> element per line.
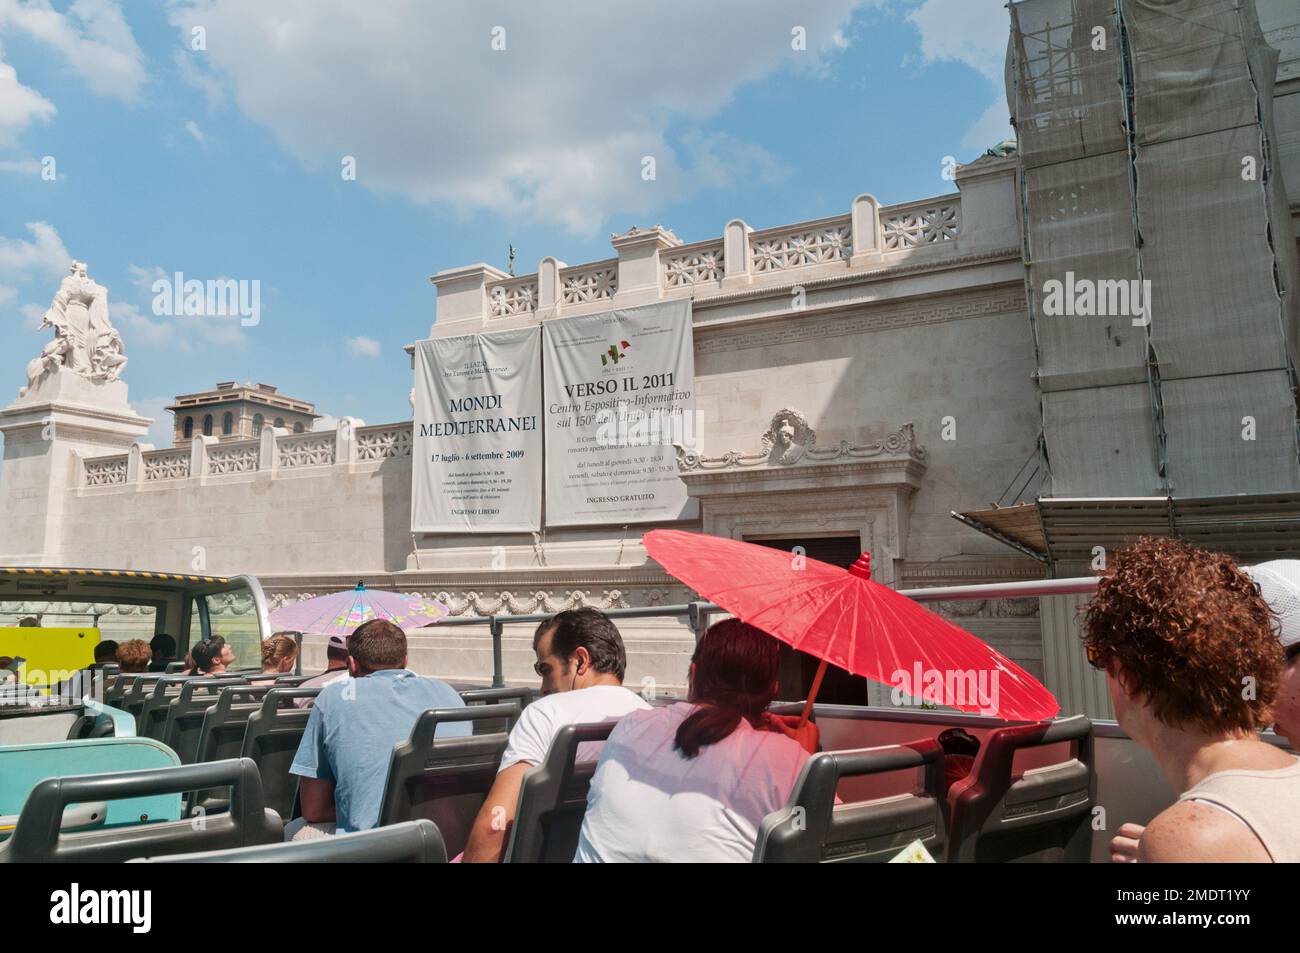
<point x="1279" y="584"/>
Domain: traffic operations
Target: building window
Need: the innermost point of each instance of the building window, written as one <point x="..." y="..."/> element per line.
<point x="279" y="421"/>
<point x="297" y="428"/>
<point x="257" y="425"/>
<point x="207" y="425"/>
<point x="189" y="427"/>
<point x="227" y="424"/>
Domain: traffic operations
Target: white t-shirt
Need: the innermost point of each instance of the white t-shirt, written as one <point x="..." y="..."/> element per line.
<point x="539" y="723"/>
<point x="649" y="803"/>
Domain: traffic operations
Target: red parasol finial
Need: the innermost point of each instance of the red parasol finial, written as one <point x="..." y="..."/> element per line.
<point x="862" y="568"/>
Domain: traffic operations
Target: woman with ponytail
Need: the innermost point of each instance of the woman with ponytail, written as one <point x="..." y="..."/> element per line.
<point x="693" y="781"/>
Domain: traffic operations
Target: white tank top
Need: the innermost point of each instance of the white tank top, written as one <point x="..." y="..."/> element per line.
<point x="1268" y="802"/>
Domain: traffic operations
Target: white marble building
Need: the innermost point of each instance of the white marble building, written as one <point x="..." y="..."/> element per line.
<point x="893" y="341"/>
<point x="892" y="338"/>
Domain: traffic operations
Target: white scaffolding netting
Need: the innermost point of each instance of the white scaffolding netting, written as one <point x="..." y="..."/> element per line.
<point x="1190" y="213"/>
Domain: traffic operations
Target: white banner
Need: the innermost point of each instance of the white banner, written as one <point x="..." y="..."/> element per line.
<point x="620" y="391"/>
<point x="477" y="453"/>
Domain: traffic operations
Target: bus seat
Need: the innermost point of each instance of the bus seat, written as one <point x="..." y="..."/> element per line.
<point x="22" y="767"/>
<point x="413" y="842"/>
<point x="271" y="740"/>
<point x="495" y="696"/>
<point x="445" y="779"/>
<point x="37" y="837"/>
<point x="553" y="799"/>
<point x="811" y="828"/>
<point x="1043" y="814"/>
<point x="184" y="722"/>
<point x="221" y="736"/>
<point x="134" y="688"/>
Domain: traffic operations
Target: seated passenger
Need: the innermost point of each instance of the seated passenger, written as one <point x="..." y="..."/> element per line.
<point x="133" y="656"/>
<point x="279" y="653"/>
<point x="163" y="647"/>
<point x="211" y="658"/>
<point x="89" y="680"/>
<point x="581" y="661"/>
<point x="1193" y="666"/>
<point x="345" y="749"/>
<point x="1279" y="584"/>
<point x="693" y="781"/>
<point x="336" y="669"/>
<point x="959" y="751"/>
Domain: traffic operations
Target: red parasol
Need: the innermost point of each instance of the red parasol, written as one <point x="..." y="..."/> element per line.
<point x="845" y="619"/>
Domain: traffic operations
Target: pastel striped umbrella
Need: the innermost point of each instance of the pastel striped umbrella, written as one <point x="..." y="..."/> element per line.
<point x="339" y="613"/>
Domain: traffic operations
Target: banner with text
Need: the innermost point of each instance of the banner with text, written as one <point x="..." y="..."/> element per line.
<point x="620" y="391"/>
<point x="477" y="452"/>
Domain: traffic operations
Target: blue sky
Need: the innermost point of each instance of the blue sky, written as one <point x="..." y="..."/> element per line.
<point x="224" y="161"/>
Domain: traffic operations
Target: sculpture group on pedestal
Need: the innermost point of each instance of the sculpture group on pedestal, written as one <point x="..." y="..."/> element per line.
<point x="85" y="341"/>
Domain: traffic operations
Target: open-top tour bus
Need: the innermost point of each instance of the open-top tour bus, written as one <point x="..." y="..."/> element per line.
<point x="125" y="776"/>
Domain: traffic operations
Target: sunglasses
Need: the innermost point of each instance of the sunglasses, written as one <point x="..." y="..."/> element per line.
<point x="1292" y="653"/>
<point x="1096" y="658"/>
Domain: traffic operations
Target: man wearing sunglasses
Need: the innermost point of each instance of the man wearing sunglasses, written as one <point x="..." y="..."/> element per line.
<point x="1189" y="647"/>
<point x="581" y="661"/>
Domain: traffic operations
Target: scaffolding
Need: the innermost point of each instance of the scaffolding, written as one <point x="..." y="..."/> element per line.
<point x="1151" y="199"/>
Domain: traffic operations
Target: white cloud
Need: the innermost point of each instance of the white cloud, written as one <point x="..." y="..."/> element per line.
<point x="362" y="346"/>
<point x="93" y="36"/>
<point x="20" y="105"/>
<point x="20" y="166"/>
<point x="33" y="315"/>
<point x="554" y="128"/>
<point x="43" y="256"/>
<point x="196" y="133"/>
<point x="973" y="32"/>
<point x="991" y="128"/>
<point x="137" y="328"/>
<point x="162" y="430"/>
<point x="153" y="327"/>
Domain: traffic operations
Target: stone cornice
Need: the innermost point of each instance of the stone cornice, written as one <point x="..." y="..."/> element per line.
<point x="859" y="277"/>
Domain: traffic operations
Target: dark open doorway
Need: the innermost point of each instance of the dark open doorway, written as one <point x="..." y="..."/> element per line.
<point x="799" y="668"/>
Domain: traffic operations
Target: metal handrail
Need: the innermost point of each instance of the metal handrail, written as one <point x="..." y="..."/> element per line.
<point x="697" y="613"/>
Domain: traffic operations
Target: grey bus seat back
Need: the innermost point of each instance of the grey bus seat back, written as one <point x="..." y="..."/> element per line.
<point x="37" y="839"/>
<point x="445" y="779"/>
<point x="135" y="688"/>
<point x="271" y="739"/>
<point x="811" y="828"/>
<point x="1043" y="815"/>
<point x="184" y="723"/>
<point x="553" y="799"/>
<point x="151" y="720"/>
<point x="495" y="696"/>
<point x="115" y="687"/>
<point x="221" y="736"/>
<point x="412" y="842"/>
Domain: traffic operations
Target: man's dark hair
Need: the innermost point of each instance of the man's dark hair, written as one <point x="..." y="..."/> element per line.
<point x="336" y="653"/>
<point x="164" y="645"/>
<point x="590" y="629"/>
<point x="377" y="645"/>
<point x="106" y="651"/>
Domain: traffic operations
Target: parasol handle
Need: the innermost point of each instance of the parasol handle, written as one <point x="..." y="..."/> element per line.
<point x="812" y="693"/>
